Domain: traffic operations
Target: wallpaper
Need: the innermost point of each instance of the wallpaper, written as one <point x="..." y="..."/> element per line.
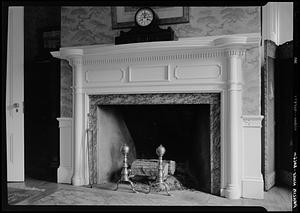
<point x="92" y="25"/>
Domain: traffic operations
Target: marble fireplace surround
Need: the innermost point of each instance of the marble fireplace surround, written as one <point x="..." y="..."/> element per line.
<point x="211" y="99"/>
<point x="211" y="64"/>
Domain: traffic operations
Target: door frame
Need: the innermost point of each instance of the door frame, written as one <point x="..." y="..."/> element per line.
<point x="15" y="94"/>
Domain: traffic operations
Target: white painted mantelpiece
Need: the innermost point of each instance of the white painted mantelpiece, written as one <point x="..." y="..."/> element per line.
<point x="203" y="64"/>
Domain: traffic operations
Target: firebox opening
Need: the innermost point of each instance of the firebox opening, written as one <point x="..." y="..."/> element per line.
<point x="183" y="129"/>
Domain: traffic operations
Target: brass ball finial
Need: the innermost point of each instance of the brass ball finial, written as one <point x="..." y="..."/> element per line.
<point x="160" y="151"/>
<point x="124" y="149"/>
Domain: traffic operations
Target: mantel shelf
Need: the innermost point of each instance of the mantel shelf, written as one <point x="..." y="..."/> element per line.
<point x="206" y="42"/>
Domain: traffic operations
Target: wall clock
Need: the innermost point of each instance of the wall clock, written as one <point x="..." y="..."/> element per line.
<point x="146" y="29"/>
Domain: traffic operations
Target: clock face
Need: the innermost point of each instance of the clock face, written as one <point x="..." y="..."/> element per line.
<point x="144" y="17"/>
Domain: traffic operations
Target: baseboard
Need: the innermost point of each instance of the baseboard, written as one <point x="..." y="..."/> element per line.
<point x="222" y="192"/>
<point x="270" y="180"/>
<point x="253" y="188"/>
<point x="64" y="174"/>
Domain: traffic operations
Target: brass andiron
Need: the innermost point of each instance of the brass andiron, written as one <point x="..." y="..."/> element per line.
<point x="124" y="173"/>
<point x="160" y="184"/>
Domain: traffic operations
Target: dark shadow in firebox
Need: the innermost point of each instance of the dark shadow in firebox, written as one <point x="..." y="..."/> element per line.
<point x="184" y="130"/>
<point x="115" y="176"/>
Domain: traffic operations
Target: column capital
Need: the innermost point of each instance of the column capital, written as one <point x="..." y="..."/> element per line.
<point x="234" y="68"/>
<point x="75" y="60"/>
<point x="235" y="52"/>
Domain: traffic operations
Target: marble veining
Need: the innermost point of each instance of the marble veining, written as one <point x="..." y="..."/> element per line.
<point x="251" y="79"/>
<point x="213" y="99"/>
<point x="66" y="90"/>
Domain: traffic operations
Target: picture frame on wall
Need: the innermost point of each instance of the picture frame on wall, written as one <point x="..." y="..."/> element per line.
<point x="51" y="39"/>
<point x="123" y="16"/>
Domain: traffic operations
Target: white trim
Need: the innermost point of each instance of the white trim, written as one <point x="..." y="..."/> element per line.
<point x="65" y="170"/>
<point x="252" y="187"/>
<point x="207" y="42"/>
<point x="285" y="21"/>
<point x="252" y="184"/>
<point x="15" y="94"/>
<point x="64" y="121"/>
<point x="252" y="120"/>
<point x="64" y="174"/>
<point x="276" y="16"/>
<point x="270" y="28"/>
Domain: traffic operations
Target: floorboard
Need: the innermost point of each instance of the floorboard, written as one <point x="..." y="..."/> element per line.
<point x="49" y="193"/>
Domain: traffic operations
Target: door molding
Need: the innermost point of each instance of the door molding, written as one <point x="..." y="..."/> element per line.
<point x="15" y="95"/>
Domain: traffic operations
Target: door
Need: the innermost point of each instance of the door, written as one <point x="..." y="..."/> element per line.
<point x="14" y="95"/>
<point x="268" y="111"/>
<point x="284" y="78"/>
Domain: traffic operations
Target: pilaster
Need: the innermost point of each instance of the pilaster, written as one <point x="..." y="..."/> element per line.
<point x="79" y="132"/>
<point x="234" y="66"/>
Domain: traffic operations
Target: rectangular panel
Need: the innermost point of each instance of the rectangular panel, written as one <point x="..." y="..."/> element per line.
<point x="65" y="170"/>
<point x="66" y="146"/>
<point x="198" y="72"/>
<point x="149" y="73"/>
<point x="104" y="76"/>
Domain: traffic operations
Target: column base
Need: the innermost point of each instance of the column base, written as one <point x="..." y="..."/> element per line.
<point x="77" y="181"/>
<point x="64" y="174"/>
<point x="232" y="192"/>
<point x="253" y="188"/>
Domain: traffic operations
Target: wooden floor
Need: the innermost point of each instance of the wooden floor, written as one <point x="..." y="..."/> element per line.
<point x="48" y="193"/>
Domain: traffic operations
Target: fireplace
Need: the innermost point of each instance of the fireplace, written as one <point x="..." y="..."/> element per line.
<point x="187" y="124"/>
<point x="189" y="75"/>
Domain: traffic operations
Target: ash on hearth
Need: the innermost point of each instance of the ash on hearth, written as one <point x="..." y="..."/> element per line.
<point x="143" y="183"/>
<point x="184" y="175"/>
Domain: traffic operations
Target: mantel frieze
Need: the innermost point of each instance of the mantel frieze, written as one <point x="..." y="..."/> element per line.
<point x="154" y="57"/>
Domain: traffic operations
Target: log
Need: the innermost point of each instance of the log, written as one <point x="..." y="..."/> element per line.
<point x="149" y="167"/>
